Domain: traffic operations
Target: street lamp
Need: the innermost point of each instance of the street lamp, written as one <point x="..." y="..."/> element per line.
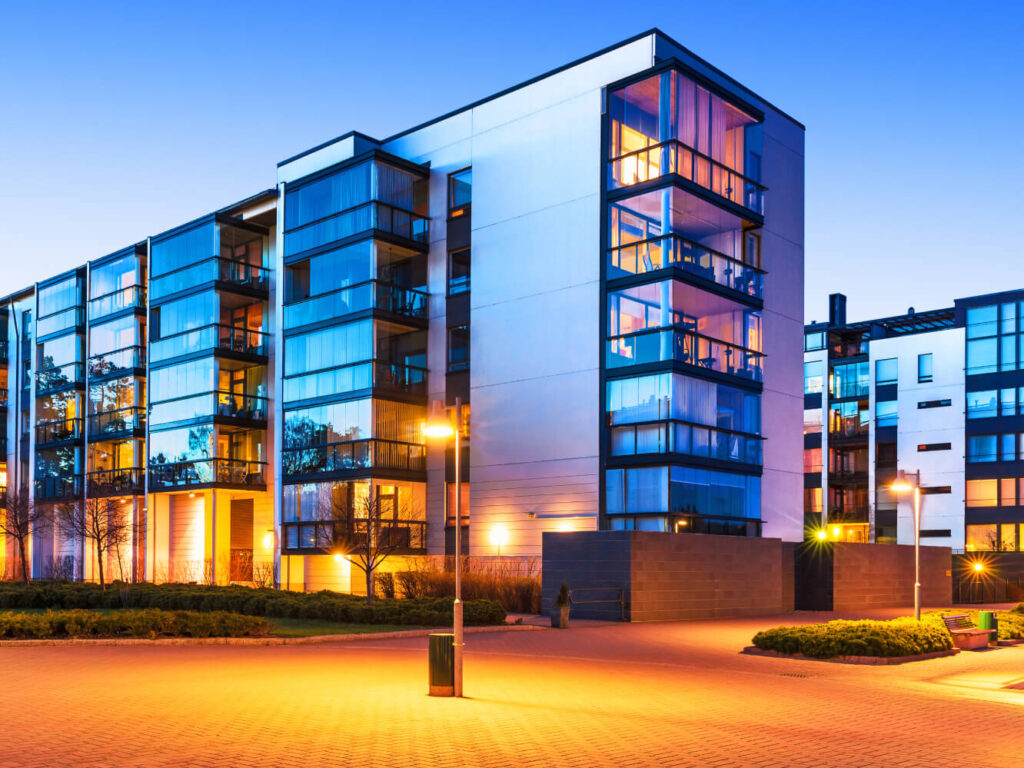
<point x="911" y="481"/>
<point x="439" y="426"/>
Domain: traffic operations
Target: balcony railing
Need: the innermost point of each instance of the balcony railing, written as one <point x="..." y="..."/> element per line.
<point x="235" y="273"/>
<point x="117" y="361"/>
<point x="61" y="431"/>
<point x="4" y="347"/>
<point x="686" y="438"/>
<point x="675" y="251"/>
<point x="663" y="344"/>
<point x="362" y="218"/>
<point x="3" y="397"/>
<point x="57" y="377"/>
<point x="57" y="488"/>
<point x="408" y="536"/>
<point x="183" y="474"/>
<point x="74" y="317"/>
<point x="115" y="482"/>
<point x="132" y="297"/>
<point x="208" y="338"/>
<point x="107" y="425"/>
<point x="674" y="157"/>
<point x="217" y="403"/>
<point x="355" y="454"/>
<point x="372" y="294"/>
<point x="376" y="374"/>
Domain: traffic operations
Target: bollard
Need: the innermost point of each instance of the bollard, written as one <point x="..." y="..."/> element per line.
<point x="987" y="620"/>
<point x="441" y="662"/>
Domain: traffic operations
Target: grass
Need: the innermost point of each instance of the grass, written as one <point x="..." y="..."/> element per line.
<point x="283" y="627"/>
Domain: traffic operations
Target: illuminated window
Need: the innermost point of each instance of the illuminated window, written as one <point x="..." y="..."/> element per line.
<point x="981" y="538"/>
<point x="982" y="493"/>
<point x="460" y="192"/>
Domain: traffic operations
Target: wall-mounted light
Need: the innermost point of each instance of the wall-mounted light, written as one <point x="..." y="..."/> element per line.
<point x="499" y="537"/>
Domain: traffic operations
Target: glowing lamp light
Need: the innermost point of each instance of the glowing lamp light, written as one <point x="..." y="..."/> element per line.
<point x="340" y="558"/>
<point x="822" y="535"/>
<point x="438" y="426"/>
<point x="901" y="486"/>
<point x="268" y="541"/>
<point x="836" y="530"/>
<point x="978" y="566"/>
<point x="565" y="527"/>
<point x="499" y="535"/>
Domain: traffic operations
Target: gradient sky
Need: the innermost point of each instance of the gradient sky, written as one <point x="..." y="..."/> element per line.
<point x="121" y="120"/>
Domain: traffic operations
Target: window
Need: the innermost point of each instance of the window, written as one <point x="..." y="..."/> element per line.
<point x="934" y="403"/>
<point x="458" y="348"/>
<point x="812" y="459"/>
<point x="886" y="371"/>
<point x="1008" y="447"/>
<point x="814" y="341"/>
<point x="924" y="447"/>
<point x="812" y="421"/>
<point x="993" y="342"/>
<point x="460" y="192"/>
<point x="885" y="413"/>
<point x="936" y="533"/>
<point x="813" y="378"/>
<point x="936" y="490"/>
<point x="982" y="405"/>
<point x="850" y="380"/>
<point x="981" y="538"/>
<point x="982" y="493"/>
<point x="1008" y="402"/>
<point x="924" y="368"/>
<point x="981" y="448"/>
<point x="458" y="271"/>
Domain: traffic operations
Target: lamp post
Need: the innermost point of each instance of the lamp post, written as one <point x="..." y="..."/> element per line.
<point x="439" y="425"/>
<point x="911" y="481"/>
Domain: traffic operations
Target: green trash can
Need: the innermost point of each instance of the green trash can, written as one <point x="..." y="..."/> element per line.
<point x="441" y="660"/>
<point x="988" y="620"/>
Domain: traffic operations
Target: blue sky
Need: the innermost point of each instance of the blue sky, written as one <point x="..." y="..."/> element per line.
<point x="119" y="120"/>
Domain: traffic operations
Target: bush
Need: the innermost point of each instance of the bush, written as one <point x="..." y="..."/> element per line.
<point x="1011" y="623"/>
<point x="150" y="623"/>
<point x="272" y="603"/>
<point x="504" y="583"/>
<point x="899" y="637"/>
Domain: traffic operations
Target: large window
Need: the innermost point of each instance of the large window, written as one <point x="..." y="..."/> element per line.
<point x="886" y="413"/>
<point x="458" y="271"/>
<point x="185" y="248"/>
<point x="886" y="371"/>
<point x="460" y="192"/>
<point x="924" y="368"/>
<point x="994" y="341"/>
<point x="458" y="348"/>
<point x="328" y="347"/>
<point x="676" y="396"/>
<point x="813" y="377"/>
<point x="60" y="296"/>
<point x="682" y="490"/>
<point x="116" y="334"/>
<point x="849" y="380"/>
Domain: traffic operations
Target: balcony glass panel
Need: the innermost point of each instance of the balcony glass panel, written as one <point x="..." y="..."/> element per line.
<point x="664" y="396"/>
<point x="184" y="248"/>
<point x="120" y="274"/>
<point x="356" y="454"/>
<point x="118" y="361"/>
<point x="59" y="431"/>
<point x="208" y="338"/>
<point x="682" y="490"/>
<point x="62" y="487"/>
<point x="115" y="482"/>
<point x="850" y="380"/>
<point x="357" y="298"/>
<point x="235" y="273"/>
<point x="62" y="321"/>
<point x="60" y="296"/>
<point x="681" y="437"/>
<point x="370" y="216"/>
<point x="59" y="376"/>
<point x="125" y="298"/>
<point x="849" y="420"/>
<point x="208" y="404"/>
<point x="378" y="374"/>
<point x="690" y="348"/>
<point x="104" y="425"/>
<point x="403" y="535"/>
<point x="184" y="474"/>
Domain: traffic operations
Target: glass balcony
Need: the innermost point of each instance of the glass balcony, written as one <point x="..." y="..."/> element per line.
<point x="61" y="321"/>
<point x="118" y="361"/>
<point x="355" y="454"/>
<point x="115" y="482"/>
<point x="3" y="350"/>
<point x="183" y="474"/>
<point x="364" y="218"/>
<point x="132" y="297"/>
<point x="662" y="345"/>
<point x="224" y="404"/>
<point x="683" y="437"/>
<point x="235" y="273"/>
<point x="109" y="424"/>
<point x="3" y="397"/>
<point x="675" y="251"/>
<point x="376" y="374"/>
<point x="357" y="298"/>
<point x="57" y="488"/>
<point x="57" y="377"/>
<point x="63" y="431"/>
<point x="674" y="157"/>
<point x="209" y="338"/>
<point x="407" y="536"/>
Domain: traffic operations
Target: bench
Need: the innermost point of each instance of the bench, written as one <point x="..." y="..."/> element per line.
<point x="966" y="636"/>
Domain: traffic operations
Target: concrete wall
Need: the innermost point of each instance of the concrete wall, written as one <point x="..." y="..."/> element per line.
<point x="869" y="576"/>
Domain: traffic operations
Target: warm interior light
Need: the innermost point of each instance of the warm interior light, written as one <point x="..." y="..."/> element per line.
<point x="822" y="535"/>
<point x="978" y="567"/>
<point x="499" y="536"/>
<point x="339" y="557"/>
<point x="191" y="495"/>
<point x="565" y="527"/>
<point x="268" y="540"/>
<point x="836" y="530"/>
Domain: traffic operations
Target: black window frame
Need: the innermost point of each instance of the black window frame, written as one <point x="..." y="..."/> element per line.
<point x="930" y="376"/>
<point x="458" y="365"/>
<point x="460" y="210"/>
<point x="469" y="271"/>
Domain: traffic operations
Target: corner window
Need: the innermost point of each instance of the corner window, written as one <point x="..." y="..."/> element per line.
<point x="886" y="371"/>
<point x="983" y="405"/>
<point x="813" y="378"/>
<point x="458" y="271"/>
<point x="458" y="348"/>
<point x="924" y="368"/>
<point x="460" y="192"/>
<point x="814" y="341"/>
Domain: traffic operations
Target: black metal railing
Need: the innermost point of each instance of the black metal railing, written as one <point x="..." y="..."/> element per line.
<point x="239" y="274"/>
<point x="211" y="337"/>
<point x="361" y="218"/>
<point x="183" y="474"/>
<point x="57" y="488"/>
<point x="59" y="376"/>
<point x="117" y="361"/>
<point x="108" y="424"/>
<point x="217" y="403"/>
<point x="675" y="157"/>
<point x="372" y="453"/>
<point x="61" y="431"/>
<point x="407" y="536"/>
<point x="115" y="482"/>
<point x="373" y="294"/>
<point x="662" y="344"/>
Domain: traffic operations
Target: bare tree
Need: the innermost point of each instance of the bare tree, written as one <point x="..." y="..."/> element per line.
<point x="100" y="521"/>
<point x="18" y="519"/>
<point x="367" y="529"/>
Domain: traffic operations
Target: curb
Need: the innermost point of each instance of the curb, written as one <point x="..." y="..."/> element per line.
<point x="752" y="650"/>
<point x="312" y="640"/>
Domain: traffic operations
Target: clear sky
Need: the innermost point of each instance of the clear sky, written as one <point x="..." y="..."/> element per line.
<point x="121" y="120"/>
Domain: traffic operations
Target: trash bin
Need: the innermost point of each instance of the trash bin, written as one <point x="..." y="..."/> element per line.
<point x="988" y="620"/>
<point x="441" y="661"/>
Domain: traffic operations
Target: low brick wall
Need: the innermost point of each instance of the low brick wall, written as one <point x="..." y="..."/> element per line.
<point x="866" y="576"/>
<point x="667" y="577"/>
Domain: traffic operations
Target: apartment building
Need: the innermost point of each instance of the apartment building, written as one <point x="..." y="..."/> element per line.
<point x="604" y="264"/>
<point x="935" y="392"/>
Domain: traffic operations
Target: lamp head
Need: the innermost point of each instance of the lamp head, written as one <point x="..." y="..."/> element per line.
<point x="438" y="425"/>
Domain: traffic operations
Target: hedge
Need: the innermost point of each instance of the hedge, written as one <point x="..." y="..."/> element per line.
<point x="899" y="637"/>
<point x="520" y="594"/>
<point x="324" y="605"/>
<point x="150" y="623"/>
<point x="1011" y="623"/>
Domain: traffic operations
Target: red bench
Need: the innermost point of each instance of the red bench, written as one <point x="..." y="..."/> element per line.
<point x="966" y="636"/>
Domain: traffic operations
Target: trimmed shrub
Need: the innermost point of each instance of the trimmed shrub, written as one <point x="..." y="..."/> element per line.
<point x="514" y="590"/>
<point x="899" y="637"/>
<point x="150" y="623"/>
<point x="325" y="605"/>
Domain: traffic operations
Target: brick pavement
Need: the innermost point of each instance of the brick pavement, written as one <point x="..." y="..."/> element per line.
<point x="618" y="695"/>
